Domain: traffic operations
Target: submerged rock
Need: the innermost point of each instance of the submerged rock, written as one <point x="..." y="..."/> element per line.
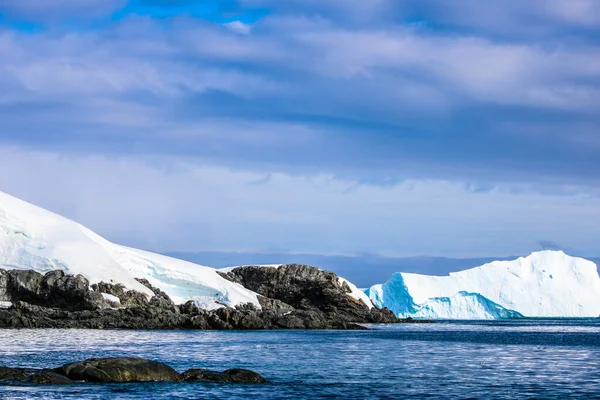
<point x="119" y="370"/>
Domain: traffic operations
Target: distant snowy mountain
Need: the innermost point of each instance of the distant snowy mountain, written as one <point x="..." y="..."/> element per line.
<point x="33" y="238"/>
<point x="544" y="284"/>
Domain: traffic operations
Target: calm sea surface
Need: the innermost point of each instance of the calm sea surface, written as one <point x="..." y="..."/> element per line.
<point x="516" y="359"/>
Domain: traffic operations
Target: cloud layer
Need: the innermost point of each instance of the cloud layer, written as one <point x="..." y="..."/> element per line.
<point x="483" y="108"/>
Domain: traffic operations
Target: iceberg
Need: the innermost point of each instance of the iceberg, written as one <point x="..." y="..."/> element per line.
<point x="543" y="284"/>
<point x="37" y="239"/>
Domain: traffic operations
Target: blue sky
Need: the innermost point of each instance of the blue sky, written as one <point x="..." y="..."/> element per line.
<point x="331" y="127"/>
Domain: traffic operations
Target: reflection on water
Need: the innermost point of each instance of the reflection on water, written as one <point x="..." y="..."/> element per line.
<point x="530" y="358"/>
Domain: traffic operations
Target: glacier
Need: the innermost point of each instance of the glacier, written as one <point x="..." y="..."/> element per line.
<point x="37" y="239"/>
<point x="543" y="284"/>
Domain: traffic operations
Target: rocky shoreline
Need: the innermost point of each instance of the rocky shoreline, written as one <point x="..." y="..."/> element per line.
<point x="291" y="297"/>
<point x="120" y="370"/>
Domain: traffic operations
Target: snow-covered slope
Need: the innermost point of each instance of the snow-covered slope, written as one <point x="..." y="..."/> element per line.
<point x="544" y="284"/>
<point x="356" y="293"/>
<point x="33" y="238"/>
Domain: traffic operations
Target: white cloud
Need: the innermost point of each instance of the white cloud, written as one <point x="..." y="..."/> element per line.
<point x="239" y="27"/>
<point x="168" y="204"/>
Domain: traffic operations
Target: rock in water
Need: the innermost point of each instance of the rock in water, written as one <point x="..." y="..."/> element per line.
<point x="119" y="370"/>
<point x="231" y="375"/>
<point x="245" y="376"/>
<point x="48" y="378"/>
<point x="12" y="373"/>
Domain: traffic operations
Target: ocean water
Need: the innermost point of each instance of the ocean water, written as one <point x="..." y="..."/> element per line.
<point x="504" y="360"/>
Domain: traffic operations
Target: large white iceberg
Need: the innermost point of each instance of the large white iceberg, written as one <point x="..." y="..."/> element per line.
<point x="544" y="284"/>
<point x="33" y="238"/>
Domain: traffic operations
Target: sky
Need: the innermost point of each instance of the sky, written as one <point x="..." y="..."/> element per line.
<point x="339" y="127"/>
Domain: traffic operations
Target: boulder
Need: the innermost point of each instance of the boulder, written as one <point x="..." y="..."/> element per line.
<point x="48" y="378"/>
<point x="119" y="370"/>
<point x="23" y="285"/>
<point x="12" y="373"/>
<point x="231" y="376"/>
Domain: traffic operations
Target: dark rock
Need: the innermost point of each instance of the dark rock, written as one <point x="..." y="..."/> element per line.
<point x="4" y="295"/>
<point x="274" y="304"/>
<point x="245" y="376"/>
<point x="54" y="289"/>
<point x="119" y="370"/>
<point x="383" y="316"/>
<point x="205" y="375"/>
<point x="12" y="373"/>
<point x="64" y="291"/>
<point x="308" y="299"/>
<point x="24" y="285"/>
<point x="231" y="376"/>
<point x="127" y="298"/>
<point x="303" y="287"/>
<point x="189" y="307"/>
<point x="48" y="378"/>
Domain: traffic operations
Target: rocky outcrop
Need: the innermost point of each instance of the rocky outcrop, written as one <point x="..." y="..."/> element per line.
<point x="24" y="315"/>
<point x="307" y="288"/>
<point x="127" y="298"/>
<point x="54" y="289"/>
<point x="120" y="370"/>
<point x="292" y="297"/>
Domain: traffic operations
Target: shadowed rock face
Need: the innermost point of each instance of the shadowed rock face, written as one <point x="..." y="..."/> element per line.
<point x="300" y="286"/>
<point x="306" y="288"/>
<point x="54" y="289"/>
<point x="119" y="370"/>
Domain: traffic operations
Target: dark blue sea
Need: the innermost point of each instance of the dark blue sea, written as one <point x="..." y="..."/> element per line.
<point x="485" y="360"/>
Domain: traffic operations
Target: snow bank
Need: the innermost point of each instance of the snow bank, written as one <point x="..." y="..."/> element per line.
<point x="544" y="284"/>
<point x="33" y="238"/>
<point x="356" y="293"/>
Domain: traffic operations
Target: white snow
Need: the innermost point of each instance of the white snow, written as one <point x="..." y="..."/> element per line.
<point x="111" y="298"/>
<point x="33" y="238"/>
<point x="544" y="284"/>
<point x="356" y="293"/>
<point x="5" y="304"/>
